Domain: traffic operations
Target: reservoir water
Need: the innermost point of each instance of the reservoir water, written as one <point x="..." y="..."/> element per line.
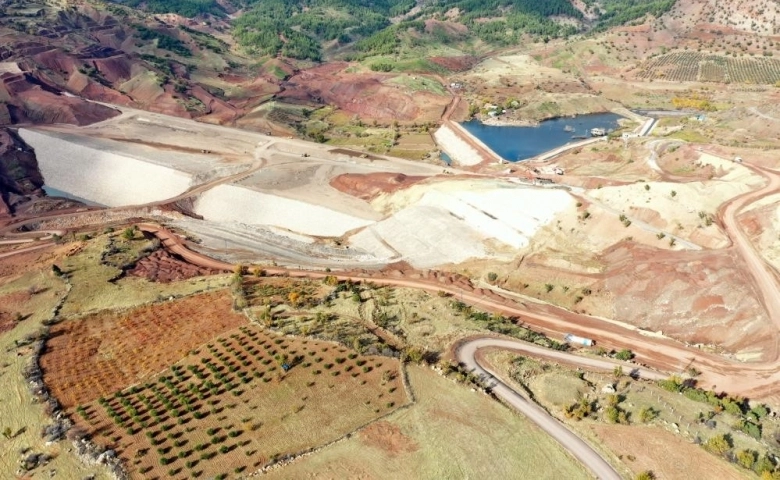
<point x="53" y="192"/>
<point x="515" y="143"/>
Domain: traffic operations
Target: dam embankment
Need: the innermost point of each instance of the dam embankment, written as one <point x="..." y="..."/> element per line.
<point x="92" y="171"/>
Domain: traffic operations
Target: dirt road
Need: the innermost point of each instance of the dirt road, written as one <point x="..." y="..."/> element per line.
<point x="663" y="354"/>
<point x="25" y="250"/>
<point x="765" y="279"/>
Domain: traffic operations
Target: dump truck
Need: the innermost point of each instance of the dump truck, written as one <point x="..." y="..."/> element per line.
<point x="574" y="339"/>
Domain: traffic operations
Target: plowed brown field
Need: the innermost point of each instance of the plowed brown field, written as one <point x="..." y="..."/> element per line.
<point x="108" y="351"/>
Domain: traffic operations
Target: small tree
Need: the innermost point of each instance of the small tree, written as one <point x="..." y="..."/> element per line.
<point x="492" y="276"/>
<point x="56" y="270"/>
<point x="646" y="475"/>
<point x="612" y="414"/>
<point x="128" y="234"/>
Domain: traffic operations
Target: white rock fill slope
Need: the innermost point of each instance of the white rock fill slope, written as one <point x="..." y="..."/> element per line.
<point x="100" y="176"/>
<point x="458" y="150"/>
<point x="229" y="203"/>
<point x="449" y="225"/>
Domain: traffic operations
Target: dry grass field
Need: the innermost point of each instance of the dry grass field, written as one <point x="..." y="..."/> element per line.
<point x="450" y="432"/>
<point x="19" y="410"/>
<point x="230" y="407"/>
<point x="98" y="285"/>
<point x="666" y="455"/>
<point x="98" y="354"/>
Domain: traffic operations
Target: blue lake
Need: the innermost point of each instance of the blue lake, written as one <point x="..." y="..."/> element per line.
<point x="53" y="192"/>
<point x="519" y="143"/>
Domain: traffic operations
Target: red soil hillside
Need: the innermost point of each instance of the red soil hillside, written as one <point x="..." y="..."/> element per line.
<point x="369" y="95"/>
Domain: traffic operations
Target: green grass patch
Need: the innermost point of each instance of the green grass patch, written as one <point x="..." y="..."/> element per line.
<point x="691" y="136"/>
<point x="419" y="84"/>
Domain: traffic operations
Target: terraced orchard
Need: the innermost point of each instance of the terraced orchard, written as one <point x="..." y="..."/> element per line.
<point x="242" y="401"/>
<point x="696" y="66"/>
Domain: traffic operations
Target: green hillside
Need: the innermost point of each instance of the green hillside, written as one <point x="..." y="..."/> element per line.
<point x="308" y="29"/>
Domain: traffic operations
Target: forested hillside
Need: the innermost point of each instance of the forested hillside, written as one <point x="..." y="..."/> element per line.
<point x="305" y="29"/>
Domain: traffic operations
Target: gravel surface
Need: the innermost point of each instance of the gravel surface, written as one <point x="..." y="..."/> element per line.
<point x="236" y="242"/>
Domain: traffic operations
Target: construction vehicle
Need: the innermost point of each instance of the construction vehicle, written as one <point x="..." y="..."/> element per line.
<point x="574" y="339"/>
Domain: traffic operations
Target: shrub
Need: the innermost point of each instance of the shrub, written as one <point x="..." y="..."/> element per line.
<point x="719" y="444"/>
<point x="647" y="414"/>
<point x="624" y="354"/>
<point x="746" y="458"/>
<point x="759" y="411"/>
<point x="751" y="429"/>
<point x="381" y="66"/>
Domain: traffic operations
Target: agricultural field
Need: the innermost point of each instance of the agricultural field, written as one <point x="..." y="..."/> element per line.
<point x="98" y="354"/>
<point x="702" y="67"/>
<point x="243" y="400"/>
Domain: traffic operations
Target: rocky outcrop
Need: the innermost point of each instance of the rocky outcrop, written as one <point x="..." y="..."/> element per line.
<point x="19" y="174"/>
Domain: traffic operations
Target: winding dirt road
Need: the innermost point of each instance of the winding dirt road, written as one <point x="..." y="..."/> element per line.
<point x="466" y="354"/>
<point x="765" y="279"/>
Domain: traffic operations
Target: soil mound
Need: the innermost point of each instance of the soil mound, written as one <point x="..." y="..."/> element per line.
<point x="706" y="296"/>
<point x="371" y="185"/>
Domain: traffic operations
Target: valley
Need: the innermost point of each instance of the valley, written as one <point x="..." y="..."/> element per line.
<point x="244" y="238"/>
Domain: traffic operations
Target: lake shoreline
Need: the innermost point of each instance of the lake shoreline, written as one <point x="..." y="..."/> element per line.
<point x="516" y="143"/>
